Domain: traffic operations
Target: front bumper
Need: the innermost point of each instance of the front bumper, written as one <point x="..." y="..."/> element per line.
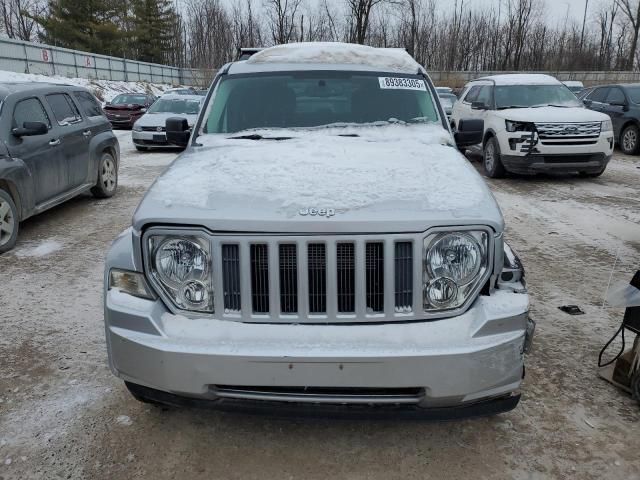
<point x="554" y="155"/>
<point x="149" y="139"/>
<point x="452" y="362"/>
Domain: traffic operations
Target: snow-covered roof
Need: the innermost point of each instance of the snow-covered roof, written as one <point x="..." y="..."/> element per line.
<point x="317" y="55"/>
<point x="521" y="79"/>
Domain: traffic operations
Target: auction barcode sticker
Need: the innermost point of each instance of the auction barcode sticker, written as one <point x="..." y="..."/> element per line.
<point x="402" y="83"/>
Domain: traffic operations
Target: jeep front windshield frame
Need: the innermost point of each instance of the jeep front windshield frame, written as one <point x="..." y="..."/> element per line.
<point x="311" y="99"/>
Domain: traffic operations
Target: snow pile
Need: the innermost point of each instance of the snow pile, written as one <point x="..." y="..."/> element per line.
<point x="415" y="163"/>
<point x="104" y="90"/>
<point x="523" y="79"/>
<point x="384" y="59"/>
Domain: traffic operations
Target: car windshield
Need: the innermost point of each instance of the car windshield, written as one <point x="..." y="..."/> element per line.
<point x="312" y="99"/>
<point x="534" y="96"/>
<point x="176" y="105"/>
<point x="447" y="100"/>
<point x="634" y="93"/>
<point x="125" y="99"/>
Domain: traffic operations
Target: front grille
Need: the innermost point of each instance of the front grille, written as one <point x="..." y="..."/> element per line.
<point x="568" y="131"/>
<point x="404" y="276"/>
<point x="231" y="278"/>
<point x="375" y="277"/>
<point x="153" y="129"/>
<point x="346" y="277"/>
<point x="317" y="272"/>
<point x="288" y="278"/>
<point x="338" y="395"/>
<point x="260" y="278"/>
<point x="311" y="279"/>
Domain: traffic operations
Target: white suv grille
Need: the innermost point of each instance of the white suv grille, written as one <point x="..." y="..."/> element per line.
<point x="567" y="131"/>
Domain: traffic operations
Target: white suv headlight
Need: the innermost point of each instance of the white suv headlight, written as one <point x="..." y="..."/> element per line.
<point x="181" y="265"/>
<point x="454" y="264"/>
<point x="607" y="126"/>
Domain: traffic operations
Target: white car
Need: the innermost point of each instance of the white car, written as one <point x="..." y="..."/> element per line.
<point x="149" y="130"/>
<point x="533" y="123"/>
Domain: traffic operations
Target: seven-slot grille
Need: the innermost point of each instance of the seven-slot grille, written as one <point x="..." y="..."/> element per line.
<point x="569" y="131"/>
<point x="328" y="278"/>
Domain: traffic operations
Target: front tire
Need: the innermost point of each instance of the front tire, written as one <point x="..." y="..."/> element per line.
<point x="9" y="222"/>
<point x="107" y="177"/>
<point x="630" y="140"/>
<point x="491" y="159"/>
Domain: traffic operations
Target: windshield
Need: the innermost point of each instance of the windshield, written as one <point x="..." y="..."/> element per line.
<point x="534" y="96"/>
<point x="448" y="100"/>
<point x="124" y="99"/>
<point x="187" y="107"/>
<point x="312" y="99"/>
<point x="634" y="94"/>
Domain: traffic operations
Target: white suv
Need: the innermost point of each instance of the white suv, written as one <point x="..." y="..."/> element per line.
<point x="533" y="123"/>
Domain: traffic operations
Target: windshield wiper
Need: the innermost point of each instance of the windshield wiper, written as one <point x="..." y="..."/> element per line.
<point x="511" y="106"/>
<point x="549" y="105"/>
<point x="348" y="135"/>
<point x="256" y="136"/>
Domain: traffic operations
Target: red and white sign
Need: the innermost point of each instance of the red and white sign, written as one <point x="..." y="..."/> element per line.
<point x="46" y="55"/>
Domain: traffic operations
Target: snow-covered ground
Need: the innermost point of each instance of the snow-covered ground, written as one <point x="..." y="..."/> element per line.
<point x="104" y="90"/>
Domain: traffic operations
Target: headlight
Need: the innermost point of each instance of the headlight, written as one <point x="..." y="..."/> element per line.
<point x="454" y="264"/>
<point x="512" y="126"/>
<point x="182" y="267"/>
<point x="607" y="126"/>
<point x="137" y="128"/>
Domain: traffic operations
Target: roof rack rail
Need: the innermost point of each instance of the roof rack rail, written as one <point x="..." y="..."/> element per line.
<point x="246" y="52"/>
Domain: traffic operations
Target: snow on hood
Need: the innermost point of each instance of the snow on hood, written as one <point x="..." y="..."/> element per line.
<point x="393" y="173"/>
<point x="384" y="59"/>
<point x="552" y="114"/>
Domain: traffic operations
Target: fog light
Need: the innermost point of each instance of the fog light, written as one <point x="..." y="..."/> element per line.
<point x="194" y="294"/>
<point x="441" y="292"/>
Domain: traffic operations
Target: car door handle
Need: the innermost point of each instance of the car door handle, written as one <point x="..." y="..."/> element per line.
<point x="55" y="142"/>
<point x="86" y="133"/>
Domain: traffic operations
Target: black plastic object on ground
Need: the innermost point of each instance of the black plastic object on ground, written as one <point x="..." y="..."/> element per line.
<point x="572" y="309"/>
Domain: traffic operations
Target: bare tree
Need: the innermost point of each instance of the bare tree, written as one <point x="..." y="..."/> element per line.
<point x="18" y="18"/>
<point x="359" y="18"/>
<point x="282" y="17"/>
<point x="631" y="10"/>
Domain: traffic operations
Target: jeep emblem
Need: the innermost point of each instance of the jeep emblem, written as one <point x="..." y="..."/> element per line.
<point x="317" y="212"/>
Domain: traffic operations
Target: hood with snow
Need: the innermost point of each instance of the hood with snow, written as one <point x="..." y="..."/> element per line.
<point x="382" y="179"/>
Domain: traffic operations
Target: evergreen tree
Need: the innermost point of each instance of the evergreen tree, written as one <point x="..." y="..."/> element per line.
<point x="154" y="29"/>
<point x="86" y="25"/>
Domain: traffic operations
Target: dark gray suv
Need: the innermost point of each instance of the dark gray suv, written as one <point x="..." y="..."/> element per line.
<point x="55" y="144"/>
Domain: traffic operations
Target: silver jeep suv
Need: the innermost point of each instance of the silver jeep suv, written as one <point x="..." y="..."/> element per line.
<point x="321" y="242"/>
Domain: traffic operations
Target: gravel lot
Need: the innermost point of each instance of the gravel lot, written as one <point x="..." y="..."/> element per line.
<point x="63" y="415"/>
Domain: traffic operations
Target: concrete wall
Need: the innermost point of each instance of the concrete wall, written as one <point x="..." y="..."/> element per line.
<point x="27" y="57"/>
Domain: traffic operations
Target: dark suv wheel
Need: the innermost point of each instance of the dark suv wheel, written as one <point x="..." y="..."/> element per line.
<point x="107" y="177"/>
<point x="9" y="222"/>
<point x="630" y="140"/>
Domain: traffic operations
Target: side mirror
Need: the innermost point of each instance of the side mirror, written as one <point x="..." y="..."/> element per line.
<point x="177" y="129"/>
<point x="479" y="106"/>
<point x="30" y="129"/>
<point x="469" y="132"/>
<point x="587" y="103"/>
